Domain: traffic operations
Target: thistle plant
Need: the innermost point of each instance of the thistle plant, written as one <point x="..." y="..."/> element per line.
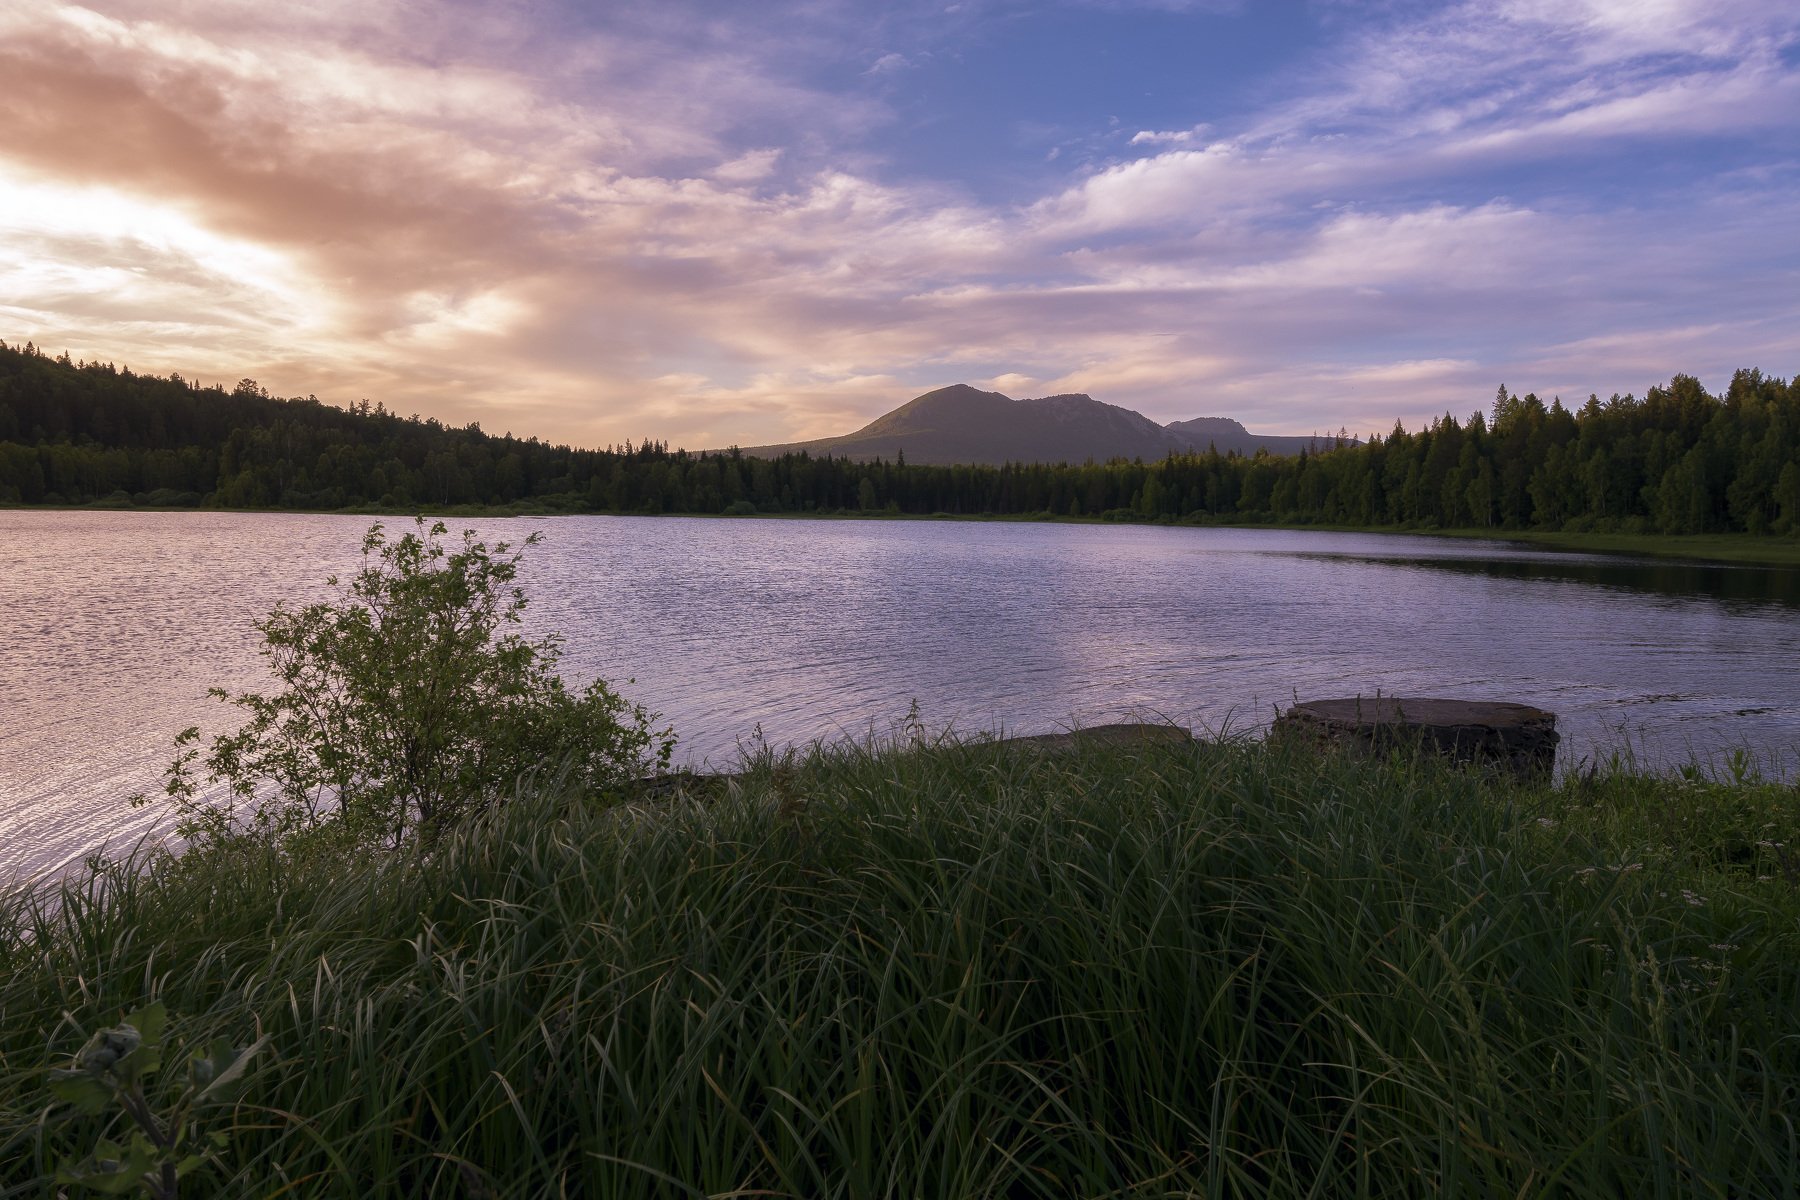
<point x="159" y="1148"/>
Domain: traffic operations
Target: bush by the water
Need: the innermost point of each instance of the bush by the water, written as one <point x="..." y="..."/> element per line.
<point x="407" y="704"/>
<point x="969" y="971"/>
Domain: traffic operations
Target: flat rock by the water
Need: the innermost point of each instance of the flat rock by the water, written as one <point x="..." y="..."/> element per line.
<point x="1128" y="734"/>
<point x="1516" y="736"/>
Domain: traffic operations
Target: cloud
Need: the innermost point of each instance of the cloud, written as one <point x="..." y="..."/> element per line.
<point x="1475" y="87"/>
<point x="677" y="221"/>
<point x="1011" y="384"/>
<point x="1168" y="137"/>
<point x="749" y="167"/>
<point x="1210" y="7"/>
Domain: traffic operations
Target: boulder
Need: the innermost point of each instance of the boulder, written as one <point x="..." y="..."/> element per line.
<point x="1515" y="737"/>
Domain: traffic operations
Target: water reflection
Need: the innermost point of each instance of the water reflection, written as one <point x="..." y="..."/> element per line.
<point x="1712" y="581"/>
<point x="117" y="623"/>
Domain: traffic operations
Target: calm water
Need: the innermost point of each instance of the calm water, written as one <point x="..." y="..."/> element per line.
<point x="115" y="624"/>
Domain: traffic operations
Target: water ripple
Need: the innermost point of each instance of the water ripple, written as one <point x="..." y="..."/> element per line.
<point x="116" y="624"/>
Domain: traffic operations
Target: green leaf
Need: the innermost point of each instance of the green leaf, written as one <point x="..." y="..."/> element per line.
<point x="225" y="1068"/>
<point x="146" y="1056"/>
<point x="150" y="1021"/>
<point x="112" y="1168"/>
<point x="80" y="1089"/>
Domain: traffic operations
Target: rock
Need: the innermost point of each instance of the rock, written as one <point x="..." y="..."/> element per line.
<point x="1516" y="737"/>
<point x="1106" y="735"/>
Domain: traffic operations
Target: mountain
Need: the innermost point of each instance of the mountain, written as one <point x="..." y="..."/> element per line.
<point x="1228" y="436"/>
<point x="962" y="424"/>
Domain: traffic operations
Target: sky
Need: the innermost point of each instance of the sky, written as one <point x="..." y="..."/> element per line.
<point x="710" y="222"/>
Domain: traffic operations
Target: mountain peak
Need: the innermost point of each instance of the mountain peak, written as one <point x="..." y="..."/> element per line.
<point x="955" y="404"/>
<point x="963" y="424"/>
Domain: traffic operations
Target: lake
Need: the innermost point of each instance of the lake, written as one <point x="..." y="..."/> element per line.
<point x="115" y="624"/>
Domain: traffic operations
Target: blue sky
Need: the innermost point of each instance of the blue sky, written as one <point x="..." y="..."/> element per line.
<point x="716" y="223"/>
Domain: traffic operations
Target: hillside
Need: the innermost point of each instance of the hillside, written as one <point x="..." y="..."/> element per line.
<point x="1676" y="461"/>
<point x="1230" y="437"/>
<point x="962" y="424"/>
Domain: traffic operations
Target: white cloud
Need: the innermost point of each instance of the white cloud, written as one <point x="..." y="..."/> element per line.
<point x="1012" y="383"/>
<point x="749" y="167"/>
<point x="1168" y="137"/>
<point x="664" y="229"/>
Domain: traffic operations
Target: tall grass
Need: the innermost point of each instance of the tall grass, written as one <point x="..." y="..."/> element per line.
<point x="970" y="970"/>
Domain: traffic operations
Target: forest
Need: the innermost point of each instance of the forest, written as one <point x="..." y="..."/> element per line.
<point x="1676" y="460"/>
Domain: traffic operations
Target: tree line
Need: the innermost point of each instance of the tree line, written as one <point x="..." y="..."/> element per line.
<point x="1677" y="460"/>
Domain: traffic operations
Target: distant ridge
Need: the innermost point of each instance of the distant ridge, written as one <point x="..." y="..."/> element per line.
<point x="1229" y="436"/>
<point x="963" y="424"/>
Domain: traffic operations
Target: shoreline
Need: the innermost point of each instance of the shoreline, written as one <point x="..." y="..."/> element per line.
<point x="1770" y="551"/>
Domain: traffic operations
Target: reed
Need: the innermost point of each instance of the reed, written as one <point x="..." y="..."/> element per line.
<point x="970" y="970"/>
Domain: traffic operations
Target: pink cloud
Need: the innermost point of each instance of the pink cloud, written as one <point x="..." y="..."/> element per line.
<point x="476" y="213"/>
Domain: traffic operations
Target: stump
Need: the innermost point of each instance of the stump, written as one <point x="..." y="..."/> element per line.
<point x="1514" y="737"/>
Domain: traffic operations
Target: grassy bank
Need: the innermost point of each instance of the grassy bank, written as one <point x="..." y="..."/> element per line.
<point x="1744" y="549"/>
<point x="974" y="971"/>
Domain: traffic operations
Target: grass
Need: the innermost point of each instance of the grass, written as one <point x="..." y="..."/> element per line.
<point x="974" y="971"/>
<point x="1744" y="549"/>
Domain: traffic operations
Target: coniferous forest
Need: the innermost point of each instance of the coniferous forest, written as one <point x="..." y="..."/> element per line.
<point x="1676" y="460"/>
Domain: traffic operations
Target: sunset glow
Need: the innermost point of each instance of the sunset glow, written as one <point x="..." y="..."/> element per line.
<point x="711" y="223"/>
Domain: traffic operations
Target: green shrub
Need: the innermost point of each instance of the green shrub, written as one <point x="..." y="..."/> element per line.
<point x="406" y="705"/>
